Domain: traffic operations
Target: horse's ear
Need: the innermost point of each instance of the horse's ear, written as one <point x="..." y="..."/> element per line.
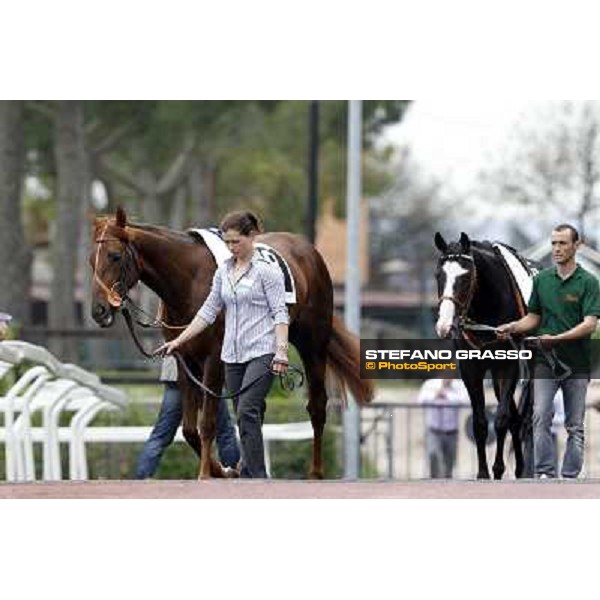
<point x="440" y="242"/>
<point x="121" y="217"/>
<point x="465" y="243"/>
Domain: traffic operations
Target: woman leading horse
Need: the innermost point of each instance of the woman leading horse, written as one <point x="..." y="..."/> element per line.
<point x="255" y="347"/>
<point x="180" y="270"/>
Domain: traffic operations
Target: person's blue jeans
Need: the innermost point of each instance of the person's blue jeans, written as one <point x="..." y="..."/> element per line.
<point x="544" y="390"/>
<point x="165" y="428"/>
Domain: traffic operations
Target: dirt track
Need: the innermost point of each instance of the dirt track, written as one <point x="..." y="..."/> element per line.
<point x="303" y="490"/>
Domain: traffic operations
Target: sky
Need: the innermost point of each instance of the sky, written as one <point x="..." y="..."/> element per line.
<point x="454" y="139"/>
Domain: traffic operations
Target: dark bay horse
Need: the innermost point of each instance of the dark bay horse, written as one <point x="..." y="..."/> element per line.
<point x="475" y="286"/>
<point x="180" y="269"/>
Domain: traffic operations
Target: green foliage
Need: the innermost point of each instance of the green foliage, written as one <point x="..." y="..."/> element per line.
<point x="257" y="152"/>
<point x="267" y="169"/>
<point x="376" y="115"/>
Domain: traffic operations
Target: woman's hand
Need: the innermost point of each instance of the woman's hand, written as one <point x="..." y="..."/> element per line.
<point x="280" y="363"/>
<point x="167" y="348"/>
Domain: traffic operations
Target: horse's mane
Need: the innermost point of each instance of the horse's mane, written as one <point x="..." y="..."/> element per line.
<point x="157" y="230"/>
<point x="483" y="246"/>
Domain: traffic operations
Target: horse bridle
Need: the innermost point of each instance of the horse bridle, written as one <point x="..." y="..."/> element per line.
<point x="119" y="299"/>
<point x="462" y="306"/>
<point x="116" y="294"/>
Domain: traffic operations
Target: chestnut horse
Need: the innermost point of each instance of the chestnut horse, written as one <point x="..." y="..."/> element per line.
<point x="180" y="269"/>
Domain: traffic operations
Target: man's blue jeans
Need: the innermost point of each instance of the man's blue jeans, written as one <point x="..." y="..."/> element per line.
<point x="544" y="390"/>
<point x="163" y="433"/>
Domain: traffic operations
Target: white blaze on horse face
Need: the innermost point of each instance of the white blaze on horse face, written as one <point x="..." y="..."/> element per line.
<point x="447" y="308"/>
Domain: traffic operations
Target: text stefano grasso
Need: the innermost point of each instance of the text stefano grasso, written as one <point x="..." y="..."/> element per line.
<point x="497" y="354"/>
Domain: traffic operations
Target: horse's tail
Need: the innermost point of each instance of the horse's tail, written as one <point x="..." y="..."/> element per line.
<point x="343" y="361"/>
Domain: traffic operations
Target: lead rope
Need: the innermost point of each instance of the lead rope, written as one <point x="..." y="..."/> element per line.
<point x="549" y="355"/>
<point x="287" y="380"/>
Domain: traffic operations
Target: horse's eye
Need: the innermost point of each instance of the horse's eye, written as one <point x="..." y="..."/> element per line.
<point x="114" y="256"/>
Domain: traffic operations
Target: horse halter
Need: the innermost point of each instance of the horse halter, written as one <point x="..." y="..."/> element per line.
<point x="116" y="294"/>
<point x="462" y="306"/>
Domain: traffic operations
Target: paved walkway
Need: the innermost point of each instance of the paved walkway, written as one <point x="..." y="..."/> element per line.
<point x="304" y="490"/>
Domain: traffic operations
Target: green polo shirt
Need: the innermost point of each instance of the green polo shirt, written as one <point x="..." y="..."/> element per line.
<point x="563" y="304"/>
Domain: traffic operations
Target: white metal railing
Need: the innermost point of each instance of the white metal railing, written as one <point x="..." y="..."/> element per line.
<point x="51" y="388"/>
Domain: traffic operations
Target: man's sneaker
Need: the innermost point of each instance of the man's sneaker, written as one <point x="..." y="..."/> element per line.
<point x="543" y="476"/>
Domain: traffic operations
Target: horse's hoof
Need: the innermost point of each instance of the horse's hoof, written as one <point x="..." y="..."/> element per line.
<point x="230" y="473"/>
<point x="498" y="473"/>
<point x="316" y="475"/>
<point x="483" y="475"/>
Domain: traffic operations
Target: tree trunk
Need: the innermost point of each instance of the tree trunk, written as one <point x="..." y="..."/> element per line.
<point x="177" y="209"/>
<point x="71" y="166"/>
<point x="201" y="187"/>
<point x="85" y="274"/>
<point x="15" y="255"/>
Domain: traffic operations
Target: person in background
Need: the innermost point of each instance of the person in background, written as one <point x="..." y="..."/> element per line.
<point x="5" y="319"/>
<point x="442" y="399"/>
<point x="169" y="418"/>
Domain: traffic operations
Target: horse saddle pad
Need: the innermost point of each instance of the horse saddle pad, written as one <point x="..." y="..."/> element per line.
<point x="521" y="272"/>
<point x="213" y="239"/>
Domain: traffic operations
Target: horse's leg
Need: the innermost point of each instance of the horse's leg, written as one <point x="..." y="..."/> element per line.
<point x="473" y="380"/>
<point x="511" y="377"/>
<point x="525" y="418"/>
<point x="317" y="409"/>
<point x="502" y="391"/>
<point x="213" y="380"/>
<point x="191" y="399"/>
<point x="514" y="426"/>
<point x="317" y="397"/>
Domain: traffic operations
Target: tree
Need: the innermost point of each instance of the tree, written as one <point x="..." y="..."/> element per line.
<point x="267" y="168"/>
<point x="71" y="204"/>
<point x="15" y="255"/>
<point x="554" y="165"/>
<point x="404" y="220"/>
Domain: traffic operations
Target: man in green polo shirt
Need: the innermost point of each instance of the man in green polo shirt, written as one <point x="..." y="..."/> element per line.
<point x="563" y="309"/>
